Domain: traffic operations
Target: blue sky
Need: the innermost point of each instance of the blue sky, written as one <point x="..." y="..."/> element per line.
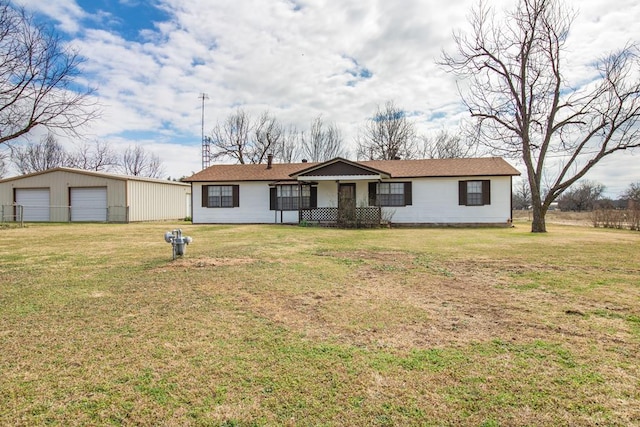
<point x="151" y="59"/>
<point x="129" y="19"/>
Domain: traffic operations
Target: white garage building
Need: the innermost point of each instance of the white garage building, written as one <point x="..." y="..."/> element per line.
<point x="67" y="194"/>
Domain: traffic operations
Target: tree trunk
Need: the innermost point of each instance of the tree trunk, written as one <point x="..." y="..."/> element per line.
<point x="538" y="224"/>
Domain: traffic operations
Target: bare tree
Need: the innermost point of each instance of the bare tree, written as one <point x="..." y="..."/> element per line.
<point x="388" y="135"/>
<point x="268" y="135"/>
<point x="323" y="141"/>
<point x="522" y="195"/>
<point x="581" y="197"/>
<point x="3" y="163"/>
<point x="37" y="157"/>
<point x="632" y="193"/>
<point x="137" y="162"/>
<point x="38" y="79"/>
<point x="286" y="151"/>
<point x="231" y="138"/>
<point x="96" y="156"/>
<point x="526" y="108"/>
<point x="446" y="145"/>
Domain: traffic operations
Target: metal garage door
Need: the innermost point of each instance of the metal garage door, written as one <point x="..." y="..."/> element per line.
<point x="89" y="204"/>
<point x="35" y="202"/>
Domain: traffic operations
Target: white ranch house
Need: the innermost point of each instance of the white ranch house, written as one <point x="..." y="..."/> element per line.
<point x="462" y="192"/>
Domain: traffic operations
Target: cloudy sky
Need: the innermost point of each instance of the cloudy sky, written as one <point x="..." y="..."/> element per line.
<point x="151" y="59"/>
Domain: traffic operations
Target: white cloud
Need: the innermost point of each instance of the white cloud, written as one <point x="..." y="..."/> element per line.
<point x="298" y="59"/>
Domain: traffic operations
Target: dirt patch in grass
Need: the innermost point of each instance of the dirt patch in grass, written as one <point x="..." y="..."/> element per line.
<point x="205" y="262"/>
<point x="398" y="300"/>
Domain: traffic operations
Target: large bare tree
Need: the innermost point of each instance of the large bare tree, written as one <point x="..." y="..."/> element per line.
<point x="389" y="135"/>
<point x="39" y="85"/>
<point x="322" y="142"/>
<point x="525" y="106"/>
<point x="249" y="141"/>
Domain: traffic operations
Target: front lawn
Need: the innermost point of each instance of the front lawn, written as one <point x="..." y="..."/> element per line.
<point x="284" y="325"/>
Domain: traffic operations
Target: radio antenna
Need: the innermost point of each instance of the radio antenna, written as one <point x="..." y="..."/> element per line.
<point x="206" y="141"/>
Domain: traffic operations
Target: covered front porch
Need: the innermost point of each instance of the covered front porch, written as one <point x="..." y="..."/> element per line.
<point x="333" y="194"/>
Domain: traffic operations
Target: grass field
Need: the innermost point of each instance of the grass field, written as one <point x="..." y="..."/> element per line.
<point x="283" y="325"/>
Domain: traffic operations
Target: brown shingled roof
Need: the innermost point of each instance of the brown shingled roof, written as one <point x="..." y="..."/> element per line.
<point x="485" y="166"/>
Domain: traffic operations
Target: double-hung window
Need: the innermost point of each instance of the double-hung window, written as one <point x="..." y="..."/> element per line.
<point x="220" y="196"/>
<point x="390" y="194"/>
<point x="474" y="193"/>
<point x="291" y="197"/>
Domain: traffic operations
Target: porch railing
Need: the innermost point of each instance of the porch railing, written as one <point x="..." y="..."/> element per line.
<point x="339" y="217"/>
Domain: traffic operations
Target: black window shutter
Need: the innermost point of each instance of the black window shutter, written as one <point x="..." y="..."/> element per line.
<point x="236" y="195"/>
<point x="205" y="196"/>
<point x="314" y="197"/>
<point x="272" y="198"/>
<point x="373" y="186"/>
<point x="486" y="192"/>
<point x="462" y="192"/>
<point x="408" y="197"/>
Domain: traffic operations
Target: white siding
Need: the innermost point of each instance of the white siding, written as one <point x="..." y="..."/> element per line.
<point x="435" y="201"/>
<point x="253" y="209"/>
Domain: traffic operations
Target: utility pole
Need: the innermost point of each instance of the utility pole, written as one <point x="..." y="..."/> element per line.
<point x="206" y="142"/>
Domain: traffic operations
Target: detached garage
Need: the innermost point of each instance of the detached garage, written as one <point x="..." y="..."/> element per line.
<point x="67" y="194"/>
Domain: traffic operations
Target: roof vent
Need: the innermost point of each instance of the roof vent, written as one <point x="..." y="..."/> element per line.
<point x="304" y="160"/>
<point x="269" y="160"/>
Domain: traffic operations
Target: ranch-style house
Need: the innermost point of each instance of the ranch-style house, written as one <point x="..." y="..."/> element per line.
<point x="457" y="192"/>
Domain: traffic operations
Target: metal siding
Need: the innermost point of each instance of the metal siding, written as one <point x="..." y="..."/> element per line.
<point x="59" y="183"/>
<point x="156" y="201"/>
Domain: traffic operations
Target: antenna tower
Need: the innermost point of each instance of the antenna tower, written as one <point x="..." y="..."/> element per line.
<point x="206" y="141"/>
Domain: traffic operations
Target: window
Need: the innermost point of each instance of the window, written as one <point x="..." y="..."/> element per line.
<point x="292" y="197"/>
<point x="474" y="193"/>
<point x="220" y="196"/>
<point x="390" y="194"/>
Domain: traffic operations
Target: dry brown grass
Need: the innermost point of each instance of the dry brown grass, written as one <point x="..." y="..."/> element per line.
<point x="263" y="325"/>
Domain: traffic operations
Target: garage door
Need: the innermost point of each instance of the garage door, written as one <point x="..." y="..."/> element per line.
<point x="89" y="204"/>
<point x="34" y="202"/>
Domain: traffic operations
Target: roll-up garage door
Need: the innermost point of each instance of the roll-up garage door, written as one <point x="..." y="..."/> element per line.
<point x="89" y="204"/>
<point x="34" y="202"/>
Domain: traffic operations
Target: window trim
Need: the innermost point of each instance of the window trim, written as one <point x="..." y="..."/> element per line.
<point x="235" y="196"/>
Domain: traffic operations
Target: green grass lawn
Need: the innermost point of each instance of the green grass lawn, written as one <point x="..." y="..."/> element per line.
<point x="283" y="325"/>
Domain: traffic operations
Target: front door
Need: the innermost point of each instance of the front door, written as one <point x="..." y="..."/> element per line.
<point x="346" y="204"/>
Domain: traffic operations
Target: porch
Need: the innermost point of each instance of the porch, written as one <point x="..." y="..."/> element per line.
<point x="344" y="217"/>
